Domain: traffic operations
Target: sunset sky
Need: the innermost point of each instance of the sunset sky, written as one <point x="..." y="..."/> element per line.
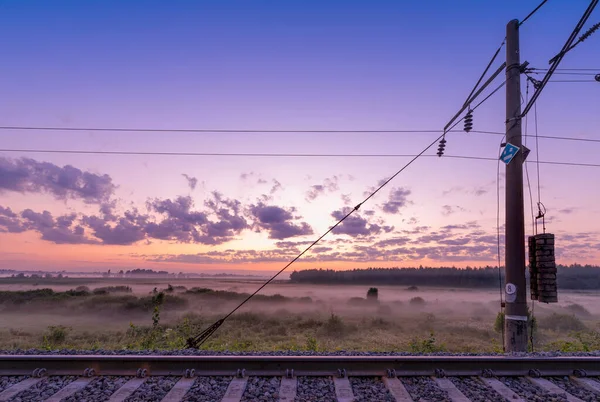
<point x="279" y="65"/>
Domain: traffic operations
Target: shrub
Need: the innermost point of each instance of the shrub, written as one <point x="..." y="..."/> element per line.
<point x="373" y="294"/>
<point x="578" y="310"/>
<point x="334" y="325"/>
<point x="426" y="345"/>
<point x="112" y="289"/>
<point x="417" y="301"/>
<point x="562" y="322"/>
<point x="311" y="344"/>
<point x="54" y="336"/>
<point x="356" y="301"/>
<point x="412" y="288"/>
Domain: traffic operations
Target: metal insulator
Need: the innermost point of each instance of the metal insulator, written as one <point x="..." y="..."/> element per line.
<point x="469" y="121"/>
<point x="441" y="147"/>
<point x="597" y="77"/>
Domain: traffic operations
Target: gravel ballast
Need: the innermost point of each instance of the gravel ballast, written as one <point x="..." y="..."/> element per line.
<point x="263" y="389"/>
<point x="424" y="388"/>
<point x="369" y="389"/>
<point x="315" y="389"/>
<point x="9" y="381"/>
<point x="153" y="389"/>
<point x="43" y="389"/>
<point x="475" y="390"/>
<point x="99" y="390"/>
<point x="573" y="389"/>
<point x="207" y="389"/>
<point x="529" y="391"/>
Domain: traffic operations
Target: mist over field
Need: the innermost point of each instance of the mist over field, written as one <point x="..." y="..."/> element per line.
<point x="126" y="313"/>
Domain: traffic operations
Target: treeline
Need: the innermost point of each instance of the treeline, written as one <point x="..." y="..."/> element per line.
<point x="569" y="277"/>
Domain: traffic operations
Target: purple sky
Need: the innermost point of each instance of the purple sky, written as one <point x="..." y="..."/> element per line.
<point x="294" y="65"/>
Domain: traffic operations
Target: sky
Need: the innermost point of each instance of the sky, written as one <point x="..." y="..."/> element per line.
<point x="267" y="66"/>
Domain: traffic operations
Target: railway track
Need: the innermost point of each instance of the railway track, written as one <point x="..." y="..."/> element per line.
<point x="74" y="378"/>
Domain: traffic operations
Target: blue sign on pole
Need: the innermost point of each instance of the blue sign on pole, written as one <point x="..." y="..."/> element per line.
<point x="509" y="153"/>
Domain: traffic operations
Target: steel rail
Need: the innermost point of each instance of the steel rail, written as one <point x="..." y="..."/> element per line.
<point x="301" y="365"/>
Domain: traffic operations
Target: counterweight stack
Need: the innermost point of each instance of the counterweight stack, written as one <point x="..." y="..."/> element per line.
<point x="542" y="268"/>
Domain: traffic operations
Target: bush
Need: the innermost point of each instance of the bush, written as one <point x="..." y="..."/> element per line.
<point x="412" y="288"/>
<point x="334" y="326"/>
<point x="373" y="294"/>
<point x="54" y="336"/>
<point x="578" y="310"/>
<point x="417" y="301"/>
<point x="427" y="345"/>
<point x="562" y="322"/>
<point x="112" y="289"/>
<point x="356" y="301"/>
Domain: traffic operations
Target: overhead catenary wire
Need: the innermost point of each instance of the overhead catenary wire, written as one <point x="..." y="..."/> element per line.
<point x="558" y="58"/>
<point x="277" y="155"/>
<point x="535" y="10"/>
<point x="197" y="341"/>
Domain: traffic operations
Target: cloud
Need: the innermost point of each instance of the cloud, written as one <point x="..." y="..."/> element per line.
<point x="354" y="225"/>
<point x="30" y="176"/>
<point x="448" y="210"/>
<point x="278" y="221"/>
<point x="61" y="230"/>
<point x="127" y="230"/>
<point x="192" y="181"/>
<point x="567" y="211"/>
<point x="276" y="187"/>
<point x="10" y="222"/>
<point x="329" y="185"/>
<point x="184" y="225"/>
<point x="397" y="200"/>
<point x="346" y="199"/>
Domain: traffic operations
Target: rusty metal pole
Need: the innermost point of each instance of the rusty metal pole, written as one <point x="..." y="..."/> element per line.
<point x="515" y="292"/>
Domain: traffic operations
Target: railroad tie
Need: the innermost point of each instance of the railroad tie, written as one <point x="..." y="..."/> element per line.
<point x="552" y="388"/>
<point x="587" y="383"/>
<point x="397" y="389"/>
<point x="501" y="389"/>
<point x="70" y="389"/>
<point x="179" y="390"/>
<point x="343" y="389"/>
<point x="453" y="392"/>
<point x="235" y="390"/>
<point x="287" y="389"/>
<point x="8" y="393"/>
<point x="126" y="390"/>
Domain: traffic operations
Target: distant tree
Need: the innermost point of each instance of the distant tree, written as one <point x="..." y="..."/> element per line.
<point x="373" y="294"/>
<point x="48" y="276"/>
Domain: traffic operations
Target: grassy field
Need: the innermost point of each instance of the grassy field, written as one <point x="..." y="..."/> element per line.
<point x="129" y="314"/>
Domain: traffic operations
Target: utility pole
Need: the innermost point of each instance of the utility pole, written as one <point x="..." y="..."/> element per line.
<point x="515" y="319"/>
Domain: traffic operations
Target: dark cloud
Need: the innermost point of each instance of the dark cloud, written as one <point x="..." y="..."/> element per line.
<point x="397" y="199"/>
<point x="567" y="210"/>
<point x="7" y="212"/>
<point x="192" y="181"/>
<point x="184" y="225"/>
<point x="354" y="225"/>
<point x="30" y="176"/>
<point x="126" y="230"/>
<point x="61" y="230"/>
<point x="10" y="222"/>
<point x="278" y="221"/>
